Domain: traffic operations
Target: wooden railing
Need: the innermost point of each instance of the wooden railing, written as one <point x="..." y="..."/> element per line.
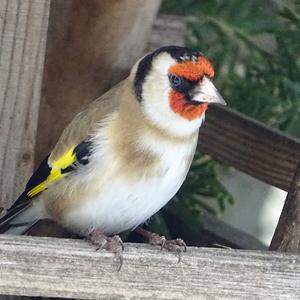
<point x="266" y="154"/>
<point x="250" y="146"/>
<point x="70" y="269"/>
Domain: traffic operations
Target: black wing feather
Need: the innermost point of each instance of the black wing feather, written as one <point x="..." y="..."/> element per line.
<point x="37" y="177"/>
<point x="82" y="152"/>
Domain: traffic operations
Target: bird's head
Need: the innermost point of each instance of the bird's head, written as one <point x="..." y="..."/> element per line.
<point x="174" y="87"/>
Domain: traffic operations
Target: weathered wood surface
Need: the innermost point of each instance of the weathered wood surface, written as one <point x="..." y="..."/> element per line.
<point x="250" y="146"/>
<point x="23" y="26"/>
<point x="72" y="269"/>
<point x="90" y="47"/>
<point x="287" y="233"/>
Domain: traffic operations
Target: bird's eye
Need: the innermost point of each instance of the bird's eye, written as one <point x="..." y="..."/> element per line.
<point x="175" y="80"/>
<point x="181" y="84"/>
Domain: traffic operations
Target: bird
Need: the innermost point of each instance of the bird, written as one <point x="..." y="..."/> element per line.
<point x="122" y="158"/>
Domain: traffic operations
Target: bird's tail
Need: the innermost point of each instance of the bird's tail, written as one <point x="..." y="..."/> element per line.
<point x="19" y="218"/>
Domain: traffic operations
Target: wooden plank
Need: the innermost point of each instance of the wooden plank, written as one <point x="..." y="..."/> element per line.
<point x="90" y="47"/>
<point x="23" y="26"/>
<point x="250" y="146"/>
<point x="72" y="269"/>
<point x="287" y="233"/>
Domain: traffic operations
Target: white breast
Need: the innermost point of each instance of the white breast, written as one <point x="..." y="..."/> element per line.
<point x="120" y="204"/>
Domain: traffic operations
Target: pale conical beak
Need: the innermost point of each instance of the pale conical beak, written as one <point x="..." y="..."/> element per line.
<point x="205" y="91"/>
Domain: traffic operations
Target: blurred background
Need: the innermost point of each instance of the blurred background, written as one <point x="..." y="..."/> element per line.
<point x="254" y="46"/>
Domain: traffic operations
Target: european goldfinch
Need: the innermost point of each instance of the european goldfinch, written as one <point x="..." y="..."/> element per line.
<point x="126" y="155"/>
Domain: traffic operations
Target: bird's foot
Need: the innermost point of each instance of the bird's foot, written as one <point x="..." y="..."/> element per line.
<point x="177" y="245"/>
<point x="112" y="244"/>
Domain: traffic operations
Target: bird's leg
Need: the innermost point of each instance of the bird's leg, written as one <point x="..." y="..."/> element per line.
<point x="112" y="244"/>
<point x="155" y="239"/>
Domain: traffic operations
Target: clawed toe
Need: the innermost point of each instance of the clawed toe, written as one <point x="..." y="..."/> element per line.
<point x="119" y="260"/>
<point x="112" y="244"/>
<point x="177" y="245"/>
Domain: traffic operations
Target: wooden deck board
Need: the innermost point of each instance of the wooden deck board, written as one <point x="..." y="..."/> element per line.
<point x="72" y="269"/>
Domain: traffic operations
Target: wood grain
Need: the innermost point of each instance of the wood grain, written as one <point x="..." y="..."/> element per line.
<point x="72" y="269"/>
<point x="23" y="26"/>
<point x="250" y="146"/>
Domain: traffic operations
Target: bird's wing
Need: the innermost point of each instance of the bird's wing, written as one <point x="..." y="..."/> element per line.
<point x="45" y="175"/>
<point x="73" y="148"/>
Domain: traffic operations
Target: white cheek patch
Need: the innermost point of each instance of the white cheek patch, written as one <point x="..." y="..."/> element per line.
<point x="156" y="102"/>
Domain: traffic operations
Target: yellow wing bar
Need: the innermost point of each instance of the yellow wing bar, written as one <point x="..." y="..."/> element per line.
<point x="66" y="160"/>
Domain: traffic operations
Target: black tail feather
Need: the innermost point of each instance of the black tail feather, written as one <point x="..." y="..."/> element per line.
<point x="12" y="213"/>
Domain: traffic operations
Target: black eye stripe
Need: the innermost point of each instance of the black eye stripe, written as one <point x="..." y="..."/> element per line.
<point x="144" y="67"/>
<point x="181" y="84"/>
